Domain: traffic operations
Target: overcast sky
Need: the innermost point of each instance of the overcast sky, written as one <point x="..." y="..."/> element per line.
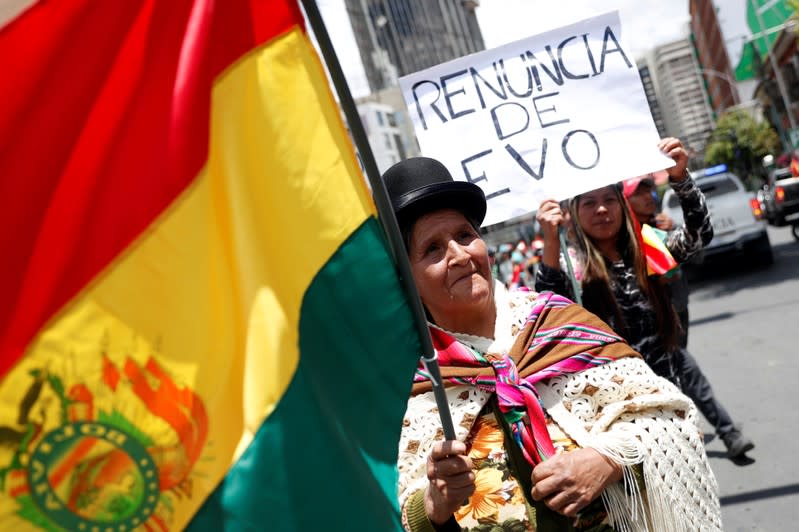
<point x="645" y="24"/>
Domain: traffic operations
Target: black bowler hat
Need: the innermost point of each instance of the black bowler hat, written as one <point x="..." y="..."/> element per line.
<point x="421" y="185"/>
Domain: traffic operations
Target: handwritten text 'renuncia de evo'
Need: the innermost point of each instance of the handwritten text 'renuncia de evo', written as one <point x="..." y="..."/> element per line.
<point x="519" y="96"/>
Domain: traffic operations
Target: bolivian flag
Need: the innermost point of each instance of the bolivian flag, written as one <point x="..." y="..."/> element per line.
<point x="659" y="260"/>
<point x="199" y="321"/>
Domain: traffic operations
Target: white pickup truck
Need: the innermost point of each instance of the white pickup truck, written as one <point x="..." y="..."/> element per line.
<point x="738" y="221"/>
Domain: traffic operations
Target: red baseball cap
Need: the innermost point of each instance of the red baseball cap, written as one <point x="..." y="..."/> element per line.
<point x="655" y="178"/>
<point x="632" y="184"/>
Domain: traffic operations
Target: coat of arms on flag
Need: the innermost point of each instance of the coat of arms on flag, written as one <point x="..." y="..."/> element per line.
<point x="102" y="444"/>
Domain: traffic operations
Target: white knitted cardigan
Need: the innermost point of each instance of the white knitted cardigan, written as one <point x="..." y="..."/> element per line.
<point x="621" y="409"/>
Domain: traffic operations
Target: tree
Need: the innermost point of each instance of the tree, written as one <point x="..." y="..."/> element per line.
<point x="741" y="142"/>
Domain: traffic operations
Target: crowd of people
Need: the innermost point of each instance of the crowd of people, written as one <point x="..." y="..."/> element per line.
<point x="515" y="264"/>
<point x="567" y="416"/>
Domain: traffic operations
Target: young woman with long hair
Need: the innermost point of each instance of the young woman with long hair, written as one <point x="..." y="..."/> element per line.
<point x="617" y="287"/>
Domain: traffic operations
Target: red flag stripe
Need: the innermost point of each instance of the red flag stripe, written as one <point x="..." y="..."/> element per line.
<point x="105" y="121"/>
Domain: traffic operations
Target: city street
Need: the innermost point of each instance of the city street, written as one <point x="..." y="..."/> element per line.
<point x="744" y="327"/>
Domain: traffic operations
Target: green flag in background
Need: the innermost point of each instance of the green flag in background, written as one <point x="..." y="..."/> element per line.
<point x="747" y="68"/>
<point x="772" y="13"/>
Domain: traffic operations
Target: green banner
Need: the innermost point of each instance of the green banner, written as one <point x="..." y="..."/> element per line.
<point x="761" y="16"/>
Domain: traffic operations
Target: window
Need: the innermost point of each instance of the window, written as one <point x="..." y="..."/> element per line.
<point x="710" y="188"/>
<point x="400" y="148"/>
<point x="379" y="117"/>
<point x="717" y="187"/>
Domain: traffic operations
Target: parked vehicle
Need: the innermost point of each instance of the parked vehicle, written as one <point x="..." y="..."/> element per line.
<point x="780" y="197"/>
<point x="739" y="223"/>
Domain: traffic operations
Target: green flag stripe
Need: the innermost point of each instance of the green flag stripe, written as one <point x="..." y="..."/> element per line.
<point x="326" y="458"/>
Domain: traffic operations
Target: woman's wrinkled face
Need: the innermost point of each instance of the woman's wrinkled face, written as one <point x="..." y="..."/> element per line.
<point x="599" y="213"/>
<point x="449" y="262"/>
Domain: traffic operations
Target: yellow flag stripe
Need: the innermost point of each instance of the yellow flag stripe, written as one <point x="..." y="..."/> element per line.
<point x="313" y="204"/>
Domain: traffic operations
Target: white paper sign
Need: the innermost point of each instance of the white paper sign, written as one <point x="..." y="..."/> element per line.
<point x="550" y="116"/>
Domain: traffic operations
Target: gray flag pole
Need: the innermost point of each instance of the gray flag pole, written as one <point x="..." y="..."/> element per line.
<point x="564" y="249"/>
<point x="384" y="210"/>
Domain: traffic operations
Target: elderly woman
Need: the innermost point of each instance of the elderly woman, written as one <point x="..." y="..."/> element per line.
<point x="560" y="424"/>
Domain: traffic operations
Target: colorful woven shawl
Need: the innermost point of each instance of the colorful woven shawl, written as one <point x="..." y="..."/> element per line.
<point x="557" y="338"/>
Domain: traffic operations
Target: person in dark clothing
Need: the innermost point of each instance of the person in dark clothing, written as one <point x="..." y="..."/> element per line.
<point x="640" y="194"/>
<point x="615" y="282"/>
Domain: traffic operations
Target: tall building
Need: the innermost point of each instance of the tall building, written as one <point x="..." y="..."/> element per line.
<point x="686" y="112"/>
<point x="399" y="37"/>
<point x="711" y="54"/>
<point x="651" y="96"/>
<point x="383" y="129"/>
<point x="392" y="97"/>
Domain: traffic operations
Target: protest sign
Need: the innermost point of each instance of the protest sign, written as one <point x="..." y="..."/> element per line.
<point x="549" y="116"/>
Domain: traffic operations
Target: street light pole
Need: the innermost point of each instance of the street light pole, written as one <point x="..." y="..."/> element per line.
<point x="731" y="82"/>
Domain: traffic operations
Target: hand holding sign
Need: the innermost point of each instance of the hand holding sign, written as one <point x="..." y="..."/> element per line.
<point x="674" y="149"/>
<point x="550" y="218"/>
<point x="553" y="115"/>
